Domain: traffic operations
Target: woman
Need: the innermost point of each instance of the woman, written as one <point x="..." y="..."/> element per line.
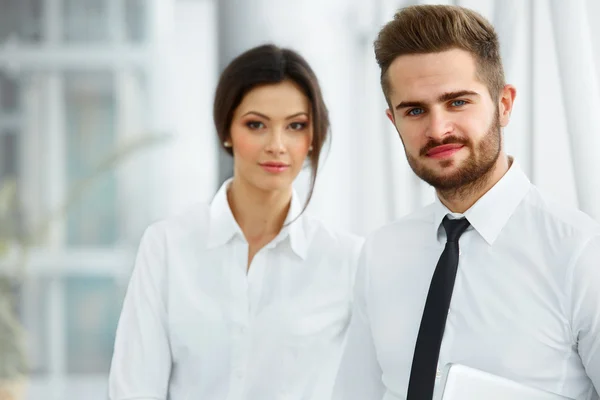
<point x="246" y="297"/>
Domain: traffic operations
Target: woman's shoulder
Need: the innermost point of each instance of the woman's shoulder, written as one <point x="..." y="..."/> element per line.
<point x="193" y="219"/>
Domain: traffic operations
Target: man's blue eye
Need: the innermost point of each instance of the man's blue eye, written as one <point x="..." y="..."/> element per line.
<point x="416" y="111"/>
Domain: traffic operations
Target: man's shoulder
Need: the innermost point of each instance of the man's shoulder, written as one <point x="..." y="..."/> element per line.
<point x="564" y="219"/>
<point x="327" y="237"/>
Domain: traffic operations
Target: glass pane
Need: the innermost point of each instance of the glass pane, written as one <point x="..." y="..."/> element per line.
<point x="93" y="306"/>
<point x="85" y="21"/>
<point x="21" y="20"/>
<point x="9" y="150"/>
<point x="12" y="335"/>
<point x="135" y="20"/>
<point x="9" y="93"/>
<point x="10" y="129"/>
<point x="91" y="138"/>
<point x="10" y="214"/>
<point x="33" y="310"/>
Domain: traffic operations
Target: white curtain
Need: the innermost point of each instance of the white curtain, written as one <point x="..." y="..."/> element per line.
<point x="581" y="95"/>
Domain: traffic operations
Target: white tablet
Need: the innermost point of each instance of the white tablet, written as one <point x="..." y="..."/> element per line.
<point x="460" y="382"/>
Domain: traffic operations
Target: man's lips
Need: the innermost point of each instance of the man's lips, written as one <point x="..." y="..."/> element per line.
<point x="445" y="150"/>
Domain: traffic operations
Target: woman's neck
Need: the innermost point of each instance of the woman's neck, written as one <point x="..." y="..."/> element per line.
<point x="260" y="214"/>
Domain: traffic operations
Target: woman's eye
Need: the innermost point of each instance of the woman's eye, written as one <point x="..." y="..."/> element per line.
<point x="298" y="126"/>
<point x="255" y="125"/>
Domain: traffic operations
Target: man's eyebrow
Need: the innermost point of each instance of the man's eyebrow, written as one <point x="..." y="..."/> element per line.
<point x="407" y="104"/>
<point x="453" y="95"/>
<point x="443" y="97"/>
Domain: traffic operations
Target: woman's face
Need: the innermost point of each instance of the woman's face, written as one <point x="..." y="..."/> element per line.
<point x="271" y="132"/>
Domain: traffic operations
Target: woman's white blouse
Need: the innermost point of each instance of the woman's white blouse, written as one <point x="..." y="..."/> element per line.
<point x="196" y="325"/>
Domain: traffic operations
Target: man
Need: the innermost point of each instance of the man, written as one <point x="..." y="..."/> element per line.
<point x="516" y="289"/>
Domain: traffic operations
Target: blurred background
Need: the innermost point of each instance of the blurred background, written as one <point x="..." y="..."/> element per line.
<point x="105" y="127"/>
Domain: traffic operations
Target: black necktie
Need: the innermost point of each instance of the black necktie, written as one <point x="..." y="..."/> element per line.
<point x="433" y="322"/>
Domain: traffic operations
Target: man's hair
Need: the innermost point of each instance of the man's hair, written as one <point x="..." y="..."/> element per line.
<point x="435" y="28"/>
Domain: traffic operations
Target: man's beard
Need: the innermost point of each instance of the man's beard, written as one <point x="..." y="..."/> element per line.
<point x="472" y="174"/>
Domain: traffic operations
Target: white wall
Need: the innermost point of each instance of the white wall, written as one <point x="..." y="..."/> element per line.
<point x="192" y="161"/>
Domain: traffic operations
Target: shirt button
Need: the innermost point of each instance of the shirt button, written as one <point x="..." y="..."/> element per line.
<point x="242" y="330"/>
<point x="239" y="374"/>
<point x="438" y="373"/>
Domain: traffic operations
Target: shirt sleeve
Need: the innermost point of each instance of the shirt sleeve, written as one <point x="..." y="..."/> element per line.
<point x="585" y="303"/>
<point x="359" y="375"/>
<point x="141" y="363"/>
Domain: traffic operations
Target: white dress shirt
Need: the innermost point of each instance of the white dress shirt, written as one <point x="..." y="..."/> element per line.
<point x="196" y="325"/>
<point x="526" y="301"/>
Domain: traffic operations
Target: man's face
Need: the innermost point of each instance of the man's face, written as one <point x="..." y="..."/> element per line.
<point x="447" y="121"/>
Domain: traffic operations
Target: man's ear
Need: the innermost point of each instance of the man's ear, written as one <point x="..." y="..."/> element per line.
<point x="390" y="116"/>
<point x="507" y="98"/>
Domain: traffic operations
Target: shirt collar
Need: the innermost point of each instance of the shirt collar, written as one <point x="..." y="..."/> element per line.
<point x="223" y="226"/>
<point x="294" y="228"/>
<point x="493" y="210"/>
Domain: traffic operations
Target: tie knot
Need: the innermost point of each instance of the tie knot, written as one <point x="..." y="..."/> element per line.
<point x="455" y="228"/>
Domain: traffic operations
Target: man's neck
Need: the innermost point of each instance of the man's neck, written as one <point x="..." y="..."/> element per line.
<point x="461" y="199"/>
<point x="258" y="213"/>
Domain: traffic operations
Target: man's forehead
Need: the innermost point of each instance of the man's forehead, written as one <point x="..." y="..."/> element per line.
<point x="427" y="76"/>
